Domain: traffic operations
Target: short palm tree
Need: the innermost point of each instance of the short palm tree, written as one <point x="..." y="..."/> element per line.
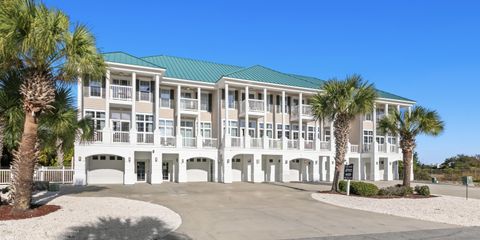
<point x="60" y="127"/>
<point x="38" y="39"/>
<point x="408" y="126"/>
<point x="340" y="102"/>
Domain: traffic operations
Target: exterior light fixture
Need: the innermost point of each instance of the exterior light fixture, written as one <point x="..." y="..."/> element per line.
<point x="228" y="160"/>
<point x="156" y="159"/>
<point x="79" y="159"/>
<point x="129" y="159"/>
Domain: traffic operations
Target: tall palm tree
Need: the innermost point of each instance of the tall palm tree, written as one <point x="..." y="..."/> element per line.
<point x="340" y="102"/>
<point x="39" y="40"/>
<point x="60" y="128"/>
<point x="408" y="126"/>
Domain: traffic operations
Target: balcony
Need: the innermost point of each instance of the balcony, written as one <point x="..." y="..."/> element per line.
<point x="309" y="145"/>
<point x="235" y="142"/>
<point x="168" y="141"/>
<point x="354" y="148"/>
<point x="367" y="147"/>
<point x="97" y="136"/>
<point x="382" y="148"/>
<point x="325" y="145"/>
<point x="120" y="137"/>
<point x="256" y="142"/>
<point x="189" y="142"/>
<point x="145" y="138"/>
<point x="307" y="112"/>
<point x="275" y="143"/>
<point x="255" y="107"/>
<point x="189" y="105"/>
<point x="292" y="144"/>
<point x="209" y="142"/>
<point x="121" y="93"/>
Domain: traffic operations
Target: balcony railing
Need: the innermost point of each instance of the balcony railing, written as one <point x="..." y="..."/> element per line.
<point x="325" y="145"/>
<point x="189" y="104"/>
<point x="235" y="141"/>
<point x="145" y="137"/>
<point x="309" y="145"/>
<point x="120" y="137"/>
<point x="307" y="110"/>
<point x="393" y="148"/>
<point x="123" y="93"/>
<point x="167" y="103"/>
<point x="256" y="142"/>
<point x="168" y="141"/>
<point x="354" y="148"/>
<point x="209" y="142"/>
<point x="254" y="105"/>
<point x="292" y="144"/>
<point x="97" y="136"/>
<point x="382" y="147"/>
<point x="367" y="147"/>
<point x="189" y="142"/>
<point x="275" y="143"/>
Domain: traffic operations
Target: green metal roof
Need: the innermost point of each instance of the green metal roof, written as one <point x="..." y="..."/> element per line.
<point x="125" y="58"/>
<point x="210" y="72"/>
<point x="191" y="69"/>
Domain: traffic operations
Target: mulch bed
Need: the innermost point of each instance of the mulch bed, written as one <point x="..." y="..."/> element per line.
<point x="414" y="196"/>
<point x="8" y="213"/>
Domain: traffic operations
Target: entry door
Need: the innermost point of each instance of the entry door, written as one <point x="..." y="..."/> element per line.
<point x="165" y="171"/>
<point x="141" y="171"/>
<point x="186" y="128"/>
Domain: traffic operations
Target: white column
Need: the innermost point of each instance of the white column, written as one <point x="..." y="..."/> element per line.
<point x="264" y="139"/>
<point x="284" y="139"/>
<point x="388" y="169"/>
<point x="156" y="170"/>
<point x="182" y="169"/>
<point x="398" y="135"/>
<point x="315" y="170"/>
<point x="227" y="168"/>
<point x="129" y="176"/>
<point x="285" y="168"/>
<point x="156" y="101"/>
<point x="246" y="138"/>
<point x="133" y="127"/>
<point x="411" y="165"/>
<point x="357" y="169"/>
<point x="300" y="123"/>
<point x="257" y="167"/>
<point x="198" y="132"/>
<point x="331" y="168"/>
<point x="332" y="137"/>
<point x="227" y="125"/>
<point x="80" y="174"/>
<point x="178" y="118"/>
<point x="322" y="168"/>
<point x="107" y="130"/>
<point x="215" y="170"/>
<point x="316" y="136"/>
<point x="375" y="165"/>
<point x="80" y="97"/>
<point x="387" y="145"/>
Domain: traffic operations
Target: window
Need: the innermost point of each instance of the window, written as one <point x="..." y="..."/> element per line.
<point x="95" y="88"/>
<point x="187" y="128"/>
<point x="287" y="131"/>
<point x="231" y="99"/>
<point x="279" y="131"/>
<point x="327" y="134"/>
<point x="166" y="97"/>
<point x="252" y="127"/>
<point x="144" y="123"/>
<point x="145" y="91"/>
<point x="368" y="117"/>
<point x="295" y="131"/>
<point x="311" y="133"/>
<point x="206" y="129"/>
<point x="98" y="119"/>
<point x="392" y="139"/>
<point x="233" y="126"/>
<point x="166" y="128"/>
<point x="205" y="102"/>
<point x="367" y="137"/>
<point x="269" y="130"/>
<point x="121" y="82"/>
<point x="380" y="139"/>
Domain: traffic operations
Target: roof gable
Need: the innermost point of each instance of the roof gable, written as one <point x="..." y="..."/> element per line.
<point x="125" y="58"/>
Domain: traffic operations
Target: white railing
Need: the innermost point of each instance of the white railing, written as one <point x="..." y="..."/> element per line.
<point x="50" y="174"/>
<point x="123" y="93"/>
<point x="121" y="137"/>
<point x="145" y="137"/>
<point x="382" y="148"/>
<point x="354" y="148"/>
<point x="166" y="103"/>
<point x="256" y="142"/>
<point x="209" y="142"/>
<point x="168" y="141"/>
<point x="189" y="104"/>
<point x="270" y="108"/>
<point x="235" y="142"/>
<point x="275" y="143"/>
<point x="393" y="148"/>
<point x="189" y="142"/>
<point x="307" y="110"/>
<point x="367" y="147"/>
<point x="292" y="144"/>
<point x="97" y="136"/>
<point x="325" y="145"/>
<point x="255" y="105"/>
<point x="309" y="144"/>
<point x="295" y="110"/>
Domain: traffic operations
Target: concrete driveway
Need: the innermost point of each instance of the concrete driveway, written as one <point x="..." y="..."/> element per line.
<point x="260" y="211"/>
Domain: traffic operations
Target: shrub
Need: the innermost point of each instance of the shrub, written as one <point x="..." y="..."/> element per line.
<point x="423" y="190"/>
<point x="363" y="189"/>
<point x="342" y="186"/>
<point x="397" y="190"/>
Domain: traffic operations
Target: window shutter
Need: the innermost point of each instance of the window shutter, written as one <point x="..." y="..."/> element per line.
<point x="210" y="102"/>
<point x="137" y="89"/>
<point x="288" y="101"/>
<point x="260" y="97"/>
<point x="243" y="96"/>
<point x="223" y="94"/>
<point x="152" y="90"/>
<point x="236" y="95"/>
<point x="271" y="98"/>
<point x="278" y="100"/>
<point x="172" y="94"/>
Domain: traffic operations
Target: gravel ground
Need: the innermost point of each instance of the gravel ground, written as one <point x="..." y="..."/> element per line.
<point x="443" y="209"/>
<point x="95" y="218"/>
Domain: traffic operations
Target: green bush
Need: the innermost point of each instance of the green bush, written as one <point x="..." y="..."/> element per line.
<point x="342" y="186"/>
<point x="397" y="190"/>
<point x="423" y="190"/>
<point x="363" y="189"/>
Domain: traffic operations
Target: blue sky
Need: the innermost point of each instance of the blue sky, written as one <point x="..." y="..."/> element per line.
<point x="423" y="50"/>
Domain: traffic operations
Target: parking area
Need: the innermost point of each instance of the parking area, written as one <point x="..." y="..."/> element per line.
<point x="257" y="211"/>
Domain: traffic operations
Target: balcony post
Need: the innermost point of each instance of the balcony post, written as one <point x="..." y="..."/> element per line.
<point x="284" y="138"/>
<point x="332" y="138"/>
<point x="227" y="125"/>
<point x="316" y="136"/>
<point x="198" y="132"/>
<point x="156" y="131"/>
<point x="80" y="97"/>
<point x="398" y="135"/>
<point x="300" y="123"/>
<point x="133" y="128"/>
<point x="265" y="140"/>
<point x="178" y="116"/>
<point x="375" y="167"/>
<point x="106" y="131"/>
<point x="387" y="144"/>
<point x="246" y="137"/>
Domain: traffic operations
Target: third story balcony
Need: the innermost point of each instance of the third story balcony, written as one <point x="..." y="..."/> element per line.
<point x="189" y="106"/>
<point x="255" y="108"/>
<point x="306" y="112"/>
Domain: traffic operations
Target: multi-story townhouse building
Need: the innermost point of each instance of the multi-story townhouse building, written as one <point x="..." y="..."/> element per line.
<point x="164" y="118"/>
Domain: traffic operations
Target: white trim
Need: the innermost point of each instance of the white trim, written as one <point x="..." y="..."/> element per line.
<point x="160" y="69"/>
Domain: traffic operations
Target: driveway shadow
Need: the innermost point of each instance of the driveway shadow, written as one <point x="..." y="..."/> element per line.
<point x="125" y="229"/>
<point x="45" y="197"/>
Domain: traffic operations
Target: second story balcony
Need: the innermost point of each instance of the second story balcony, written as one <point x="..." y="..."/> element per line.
<point x="189" y="106"/>
<point x="255" y="107"/>
<point x="121" y="93"/>
<point x="306" y="112"/>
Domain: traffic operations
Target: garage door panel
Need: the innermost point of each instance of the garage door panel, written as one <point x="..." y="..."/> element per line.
<point x="236" y="175"/>
<point x="105" y="176"/>
<point x="197" y="175"/>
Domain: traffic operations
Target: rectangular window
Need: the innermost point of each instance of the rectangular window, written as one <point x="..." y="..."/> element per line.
<point x="166" y="127"/>
<point x="205" y="102"/>
<point x="231" y="99"/>
<point x="327" y="134"/>
<point x="206" y="129"/>
<point x="311" y="133"/>
<point x="145" y="91"/>
<point x="367" y="137"/>
<point x="165" y="98"/>
<point x="287" y="131"/>
<point x="121" y="82"/>
<point x="368" y="117"/>
<point x="144" y="123"/>
<point x="95" y="88"/>
<point x="233" y="126"/>
<point x="279" y="131"/>
<point x="98" y="118"/>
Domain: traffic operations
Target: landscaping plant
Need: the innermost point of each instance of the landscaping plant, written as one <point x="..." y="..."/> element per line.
<point x="422" y="190"/>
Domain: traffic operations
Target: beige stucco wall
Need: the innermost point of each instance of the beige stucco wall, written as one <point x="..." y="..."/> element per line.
<point x="144" y="107"/>
<point x="94" y="103"/>
<point x="166" y="113"/>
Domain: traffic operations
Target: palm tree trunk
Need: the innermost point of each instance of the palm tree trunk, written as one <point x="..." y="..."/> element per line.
<point x="2" y="131"/>
<point x="407" y="165"/>
<point x="60" y="153"/>
<point x="24" y="163"/>
<point x="341" y="133"/>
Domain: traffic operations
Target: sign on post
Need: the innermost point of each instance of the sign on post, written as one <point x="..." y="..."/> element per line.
<point x="348" y="175"/>
<point x="467" y="180"/>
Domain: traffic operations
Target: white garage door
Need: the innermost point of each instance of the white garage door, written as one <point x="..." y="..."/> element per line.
<point x="236" y="170"/>
<point x="198" y="170"/>
<point x="105" y="170"/>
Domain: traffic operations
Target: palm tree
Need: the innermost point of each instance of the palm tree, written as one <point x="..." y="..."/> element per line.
<point x="340" y="102"/>
<point x="60" y="127"/>
<point x="408" y="126"/>
<point x="38" y="39"/>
